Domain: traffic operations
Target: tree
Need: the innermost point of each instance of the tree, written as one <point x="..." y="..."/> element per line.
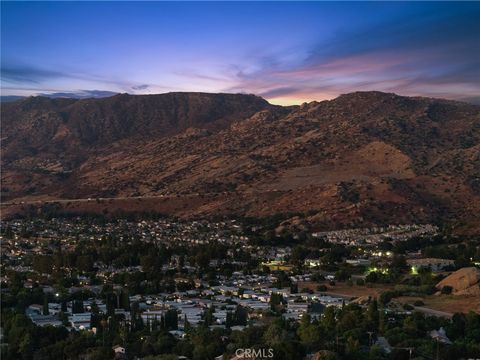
<point x="276" y="333"/>
<point x="310" y="334"/>
<point x="348" y="320"/>
<point x="95" y="317"/>
<point x="299" y="253"/>
<point x="398" y="264"/>
<point x="110" y="302"/>
<point x="43" y="264"/>
<point x="77" y="307"/>
<point x="186" y="324"/>
<point x="328" y="320"/>
<point x="327" y="355"/>
<point x="45" y="305"/>
<point x="275" y="301"/>
<point x="472" y="326"/>
<point x="386" y="296"/>
<point x="63" y="317"/>
<point x="373" y="315"/>
<point x="202" y="260"/>
<point x="229" y="320"/>
<point x="171" y="319"/>
<point x="352" y="348"/>
<point x="84" y="263"/>
<point x="125" y="300"/>
<point x="294" y="288"/>
<point x="240" y="316"/>
<point x="26" y="346"/>
<point x="209" y="318"/>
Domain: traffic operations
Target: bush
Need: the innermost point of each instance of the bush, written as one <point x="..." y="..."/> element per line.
<point x="318" y="277"/>
<point x="415" y="290"/>
<point x="447" y="289"/>
<point x="360" y="282"/>
<point x="342" y="275"/>
<point x="322" y="288"/>
<point x="386" y="296"/>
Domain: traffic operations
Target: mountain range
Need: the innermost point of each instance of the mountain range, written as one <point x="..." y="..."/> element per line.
<point x="362" y="159"/>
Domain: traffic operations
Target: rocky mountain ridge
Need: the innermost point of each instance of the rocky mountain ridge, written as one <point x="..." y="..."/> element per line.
<point x="363" y="158"/>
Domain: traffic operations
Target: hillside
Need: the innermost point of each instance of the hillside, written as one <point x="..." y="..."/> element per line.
<point x="363" y="158"/>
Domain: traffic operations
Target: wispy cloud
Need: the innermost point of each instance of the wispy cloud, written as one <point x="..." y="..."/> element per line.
<point x="140" y="87"/>
<point x="28" y="74"/>
<point x="81" y="94"/>
<point x="38" y="80"/>
<point x="426" y="55"/>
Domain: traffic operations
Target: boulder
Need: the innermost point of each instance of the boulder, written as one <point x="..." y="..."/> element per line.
<point x="461" y="280"/>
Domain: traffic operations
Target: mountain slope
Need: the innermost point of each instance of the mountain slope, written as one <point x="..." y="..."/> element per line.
<point x="363" y="158"/>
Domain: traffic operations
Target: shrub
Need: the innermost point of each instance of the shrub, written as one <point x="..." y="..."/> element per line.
<point x="386" y="296"/>
<point x="447" y="289"/>
<point x="322" y="288"/>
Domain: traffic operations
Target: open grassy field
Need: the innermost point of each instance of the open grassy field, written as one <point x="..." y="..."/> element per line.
<point x="446" y="303"/>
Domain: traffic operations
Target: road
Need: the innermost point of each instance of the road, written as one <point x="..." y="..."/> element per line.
<point x="64" y="201"/>
<point x="432" y="312"/>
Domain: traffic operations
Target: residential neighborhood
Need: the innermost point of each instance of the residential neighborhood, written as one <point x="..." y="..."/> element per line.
<point x="113" y="279"/>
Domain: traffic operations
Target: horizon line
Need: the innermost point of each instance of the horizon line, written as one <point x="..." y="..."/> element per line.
<point x="78" y="96"/>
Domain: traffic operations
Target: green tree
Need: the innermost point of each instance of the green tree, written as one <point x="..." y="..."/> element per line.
<point x="352" y="348"/>
<point x="240" y="316"/>
<point x="125" y="301"/>
<point x="45" y="305"/>
<point x="77" y="307"/>
<point x="26" y="346"/>
<point x="309" y="333"/>
<point x="373" y="315"/>
<point x="328" y="321"/>
<point x="276" y="333"/>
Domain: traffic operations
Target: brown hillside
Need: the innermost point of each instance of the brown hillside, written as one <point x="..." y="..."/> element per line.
<point x="363" y="158"/>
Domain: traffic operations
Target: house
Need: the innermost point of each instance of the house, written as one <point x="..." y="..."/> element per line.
<point x="440" y="336"/>
<point x="237" y="328"/>
<point x="118" y="349"/>
<point x="313" y="262"/>
<point x="433" y="264"/>
<point x="179" y="334"/>
<point x="45" y="320"/>
<point x="358" y="262"/>
<point x="80" y="321"/>
<point x="120" y="353"/>
<point x="293" y="306"/>
<point x="382" y="342"/>
<point x="34" y="309"/>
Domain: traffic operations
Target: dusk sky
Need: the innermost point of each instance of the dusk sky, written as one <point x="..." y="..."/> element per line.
<point x="286" y="52"/>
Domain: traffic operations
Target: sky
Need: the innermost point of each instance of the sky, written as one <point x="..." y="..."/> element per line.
<point x="286" y="52"/>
